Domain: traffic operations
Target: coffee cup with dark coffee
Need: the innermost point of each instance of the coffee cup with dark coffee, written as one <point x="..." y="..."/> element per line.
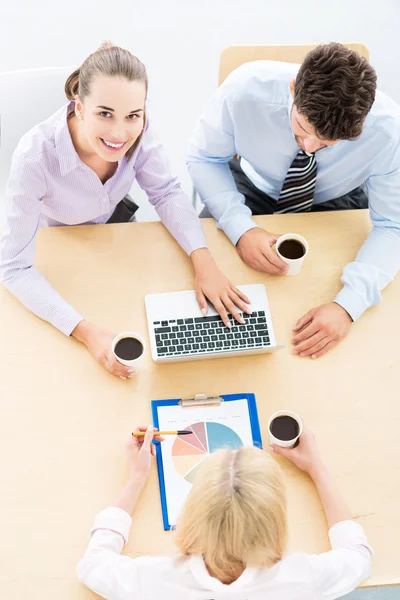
<point x="292" y="248"/>
<point x="128" y="348"/>
<point x="285" y="429"/>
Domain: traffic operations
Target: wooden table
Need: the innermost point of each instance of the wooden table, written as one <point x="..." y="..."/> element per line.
<point x="64" y="420"/>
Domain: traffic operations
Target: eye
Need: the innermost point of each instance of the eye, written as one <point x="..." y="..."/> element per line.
<point x="133" y="117"/>
<point x="105" y="114"/>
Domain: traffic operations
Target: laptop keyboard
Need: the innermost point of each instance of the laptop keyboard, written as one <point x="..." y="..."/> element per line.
<point x="209" y="335"/>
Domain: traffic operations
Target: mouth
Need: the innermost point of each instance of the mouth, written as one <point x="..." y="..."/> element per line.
<point x="113" y="146"/>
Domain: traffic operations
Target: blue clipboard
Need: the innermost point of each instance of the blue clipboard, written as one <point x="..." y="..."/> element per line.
<point x="255" y="430"/>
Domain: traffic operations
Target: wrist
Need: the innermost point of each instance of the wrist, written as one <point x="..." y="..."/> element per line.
<point x="82" y="331"/>
<point x="137" y="479"/>
<point x="247" y="234"/>
<point x="345" y="311"/>
<point x="317" y="472"/>
<point x="201" y="256"/>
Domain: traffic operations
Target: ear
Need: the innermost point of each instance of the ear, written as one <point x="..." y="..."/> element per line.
<point x="292" y="84"/>
<point x="78" y="106"/>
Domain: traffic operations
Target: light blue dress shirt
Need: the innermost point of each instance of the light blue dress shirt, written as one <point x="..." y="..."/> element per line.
<point x="249" y="115"/>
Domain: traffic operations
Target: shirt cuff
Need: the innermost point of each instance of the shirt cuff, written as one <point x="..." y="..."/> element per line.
<point x="351" y="302"/>
<point x="114" y="519"/>
<point x="67" y="322"/>
<point x="195" y="240"/>
<point x="347" y="534"/>
<point x="237" y="227"/>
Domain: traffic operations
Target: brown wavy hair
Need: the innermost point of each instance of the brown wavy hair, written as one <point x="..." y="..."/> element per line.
<point x="334" y="91"/>
<point x="111" y="61"/>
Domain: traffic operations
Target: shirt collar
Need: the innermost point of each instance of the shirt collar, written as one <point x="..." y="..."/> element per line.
<point x="289" y="107"/>
<point x="202" y="576"/>
<point x="66" y="153"/>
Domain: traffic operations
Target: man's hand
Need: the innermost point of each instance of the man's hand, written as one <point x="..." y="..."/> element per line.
<point x="255" y="249"/>
<point x="321" y="329"/>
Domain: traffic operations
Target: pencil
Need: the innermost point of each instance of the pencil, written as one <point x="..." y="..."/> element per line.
<point x="178" y="432"/>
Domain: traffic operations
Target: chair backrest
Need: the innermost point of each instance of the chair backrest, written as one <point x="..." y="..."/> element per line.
<point x="26" y="98"/>
<point x="234" y="56"/>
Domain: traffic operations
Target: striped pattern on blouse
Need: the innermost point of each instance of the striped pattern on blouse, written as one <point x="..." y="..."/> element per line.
<point x="50" y="186"/>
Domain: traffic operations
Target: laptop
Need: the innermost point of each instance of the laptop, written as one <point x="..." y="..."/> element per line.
<point x="179" y="332"/>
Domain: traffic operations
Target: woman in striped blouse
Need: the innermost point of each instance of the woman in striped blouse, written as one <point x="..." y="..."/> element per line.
<point x="75" y="168"/>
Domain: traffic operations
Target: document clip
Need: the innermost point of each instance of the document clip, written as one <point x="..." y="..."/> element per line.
<point x="201" y="400"/>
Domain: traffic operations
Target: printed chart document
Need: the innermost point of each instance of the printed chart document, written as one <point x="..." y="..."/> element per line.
<point x="231" y="424"/>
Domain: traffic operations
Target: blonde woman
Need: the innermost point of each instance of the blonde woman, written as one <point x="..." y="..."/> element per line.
<point x="77" y="167"/>
<point x="231" y="535"/>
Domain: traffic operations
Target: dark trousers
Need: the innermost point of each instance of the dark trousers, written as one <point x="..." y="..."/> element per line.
<point x="262" y="204"/>
<point x="124" y="211"/>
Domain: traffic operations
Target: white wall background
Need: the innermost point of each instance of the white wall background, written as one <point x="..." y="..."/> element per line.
<point x="180" y="42"/>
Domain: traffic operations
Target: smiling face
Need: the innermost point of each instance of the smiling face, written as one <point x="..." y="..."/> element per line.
<point x="305" y="134"/>
<point x="111" y="117"/>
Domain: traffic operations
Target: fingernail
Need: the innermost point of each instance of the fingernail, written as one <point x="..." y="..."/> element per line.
<point x="294" y="351"/>
<point x="313" y="356"/>
<point x="203" y="312"/>
<point x="271" y="448"/>
<point x="228" y="324"/>
<point x="302" y="354"/>
<point x="131" y="371"/>
<point x="241" y="320"/>
<point x="122" y="377"/>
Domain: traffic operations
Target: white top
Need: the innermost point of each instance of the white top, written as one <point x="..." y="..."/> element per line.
<point x="298" y="576"/>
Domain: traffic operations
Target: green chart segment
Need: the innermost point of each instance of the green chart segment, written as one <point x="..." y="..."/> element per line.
<point x="189" y="451"/>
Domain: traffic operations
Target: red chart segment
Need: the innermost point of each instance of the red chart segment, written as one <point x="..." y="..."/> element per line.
<point x="193" y="440"/>
<point x="199" y="430"/>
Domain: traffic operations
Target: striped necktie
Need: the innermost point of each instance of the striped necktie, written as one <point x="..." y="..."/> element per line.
<point x="297" y="192"/>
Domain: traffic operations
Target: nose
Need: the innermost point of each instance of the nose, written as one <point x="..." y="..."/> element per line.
<point x="119" y="133"/>
<point x="311" y="144"/>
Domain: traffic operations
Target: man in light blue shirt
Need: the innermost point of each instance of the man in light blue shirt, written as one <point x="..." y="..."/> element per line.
<point x="268" y="113"/>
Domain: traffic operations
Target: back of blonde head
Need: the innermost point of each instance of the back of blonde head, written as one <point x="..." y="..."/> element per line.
<point x="235" y="514"/>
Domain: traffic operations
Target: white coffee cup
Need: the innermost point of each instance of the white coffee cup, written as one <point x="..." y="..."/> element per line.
<point x="134" y="363"/>
<point x="285" y="443"/>
<point x="294" y="263"/>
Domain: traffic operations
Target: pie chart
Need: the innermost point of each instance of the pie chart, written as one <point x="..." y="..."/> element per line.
<point x="189" y="451"/>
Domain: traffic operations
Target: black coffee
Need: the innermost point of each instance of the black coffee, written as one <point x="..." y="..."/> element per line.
<point x="128" y="348"/>
<point x="292" y="249"/>
<point x="284" y="428"/>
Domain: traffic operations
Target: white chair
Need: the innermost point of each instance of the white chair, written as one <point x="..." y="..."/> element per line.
<point x="26" y="98"/>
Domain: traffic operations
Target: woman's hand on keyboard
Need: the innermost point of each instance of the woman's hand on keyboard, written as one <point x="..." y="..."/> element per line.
<point x="211" y="284"/>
